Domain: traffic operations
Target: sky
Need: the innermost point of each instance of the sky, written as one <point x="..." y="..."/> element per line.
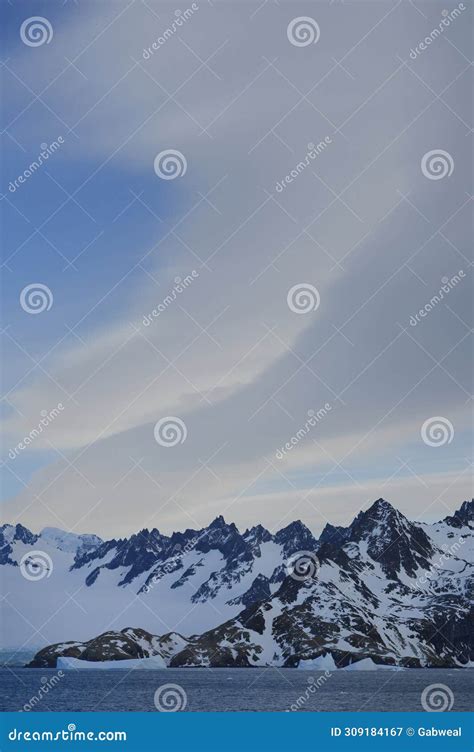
<point x="258" y="287"/>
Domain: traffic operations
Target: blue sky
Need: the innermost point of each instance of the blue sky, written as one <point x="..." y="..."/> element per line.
<point x="229" y="357"/>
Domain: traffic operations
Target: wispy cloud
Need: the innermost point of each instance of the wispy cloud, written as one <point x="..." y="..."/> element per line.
<point x="228" y="356"/>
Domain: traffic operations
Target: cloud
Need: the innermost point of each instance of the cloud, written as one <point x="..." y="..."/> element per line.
<point x="228" y="356"/>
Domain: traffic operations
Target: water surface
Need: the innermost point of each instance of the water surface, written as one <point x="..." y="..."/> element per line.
<point x="230" y="689"/>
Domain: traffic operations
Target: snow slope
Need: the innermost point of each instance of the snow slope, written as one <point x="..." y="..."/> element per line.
<point x="386" y="589"/>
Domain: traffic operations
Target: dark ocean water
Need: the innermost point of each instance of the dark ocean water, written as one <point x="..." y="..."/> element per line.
<point x="230" y="689"/>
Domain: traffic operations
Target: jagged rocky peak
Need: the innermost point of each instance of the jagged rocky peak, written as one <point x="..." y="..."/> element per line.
<point x="333" y="534"/>
<point x="257" y="534"/>
<point x="380" y="516"/>
<point x="391" y="539"/>
<point x="225" y="537"/>
<point x="145" y="543"/>
<point x="296" y="537"/>
<point x="186" y="540"/>
<point x="462" y="517"/>
<point x="11" y="534"/>
<point x="382" y="509"/>
<point x="145" y="536"/>
<point x="381" y="591"/>
<point x="18" y="532"/>
<point x="219" y="527"/>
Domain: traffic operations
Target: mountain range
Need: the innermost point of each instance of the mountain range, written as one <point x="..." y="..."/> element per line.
<point x="385" y="588"/>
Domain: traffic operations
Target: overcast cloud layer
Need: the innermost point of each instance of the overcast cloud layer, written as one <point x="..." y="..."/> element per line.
<point x="367" y="222"/>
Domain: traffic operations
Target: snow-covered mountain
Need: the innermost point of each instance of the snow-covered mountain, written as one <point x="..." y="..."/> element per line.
<point x="386" y="588"/>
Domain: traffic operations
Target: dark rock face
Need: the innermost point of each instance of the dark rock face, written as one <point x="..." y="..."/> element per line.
<point x="10" y="534"/>
<point x="463" y="517"/>
<point x="139" y="553"/>
<point x="392" y="540"/>
<point x="386" y="588"/>
<point x="112" y="647"/>
<point x="24" y="535"/>
<point x="109" y="646"/>
<point x="47" y="657"/>
<point x="86" y="557"/>
<point x="225" y="538"/>
<point x="296" y="537"/>
<point x="257" y="534"/>
<point x="258" y="591"/>
<point x="334" y="535"/>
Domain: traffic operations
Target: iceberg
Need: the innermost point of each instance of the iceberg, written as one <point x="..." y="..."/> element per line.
<point x="155" y="662"/>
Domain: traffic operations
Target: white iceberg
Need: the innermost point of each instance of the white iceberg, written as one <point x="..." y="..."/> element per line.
<point x="321" y="663"/>
<point x="155" y="662"/>
<point x="367" y="664"/>
<point x="326" y="663"/>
